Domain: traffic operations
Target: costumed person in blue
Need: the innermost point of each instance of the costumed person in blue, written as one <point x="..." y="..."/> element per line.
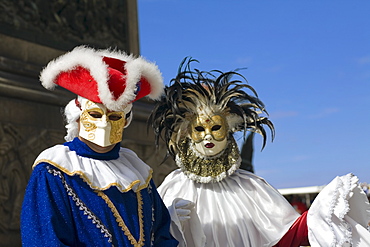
<point x="90" y="191"/>
<point x="212" y="201"/>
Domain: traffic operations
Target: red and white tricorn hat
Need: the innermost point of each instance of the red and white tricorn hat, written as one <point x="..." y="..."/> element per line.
<point x="109" y="77"/>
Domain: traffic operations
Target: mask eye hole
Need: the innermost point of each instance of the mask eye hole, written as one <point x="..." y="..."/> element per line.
<point x="95" y="114"/>
<point x="199" y="128"/>
<point x="114" y="117"/>
<point x="216" y="127"/>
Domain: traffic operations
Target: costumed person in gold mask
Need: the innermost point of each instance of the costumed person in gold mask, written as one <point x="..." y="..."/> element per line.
<point x="214" y="203"/>
<point x="90" y="191"/>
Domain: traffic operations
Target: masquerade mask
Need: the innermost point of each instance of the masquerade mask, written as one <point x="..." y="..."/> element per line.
<point x="198" y="115"/>
<point x="101" y="126"/>
<point x="209" y="134"/>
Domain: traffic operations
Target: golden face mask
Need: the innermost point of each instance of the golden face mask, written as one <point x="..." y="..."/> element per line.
<point x="203" y="125"/>
<point x="99" y="125"/>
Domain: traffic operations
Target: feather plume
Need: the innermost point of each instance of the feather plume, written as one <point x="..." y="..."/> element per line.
<point x="195" y="92"/>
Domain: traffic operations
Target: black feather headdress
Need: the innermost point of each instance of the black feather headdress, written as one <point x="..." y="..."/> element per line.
<point x="195" y="92"/>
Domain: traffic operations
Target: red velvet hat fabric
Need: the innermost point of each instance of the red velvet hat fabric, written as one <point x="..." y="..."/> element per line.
<point x="80" y="82"/>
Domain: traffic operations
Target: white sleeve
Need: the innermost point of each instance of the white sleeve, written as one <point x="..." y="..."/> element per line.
<point x="340" y="214"/>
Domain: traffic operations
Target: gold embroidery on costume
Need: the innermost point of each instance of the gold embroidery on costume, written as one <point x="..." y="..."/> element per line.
<point x="121" y="222"/>
<point x="81" y="205"/>
<point x="87" y="180"/>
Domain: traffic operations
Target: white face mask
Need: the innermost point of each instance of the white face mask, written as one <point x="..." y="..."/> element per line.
<point x="210" y="147"/>
<point x="101" y="126"/>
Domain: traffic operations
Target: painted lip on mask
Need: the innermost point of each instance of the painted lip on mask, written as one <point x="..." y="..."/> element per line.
<point x="209" y="145"/>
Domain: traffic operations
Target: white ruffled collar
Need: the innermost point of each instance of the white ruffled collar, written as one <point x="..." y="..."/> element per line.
<point x="126" y="173"/>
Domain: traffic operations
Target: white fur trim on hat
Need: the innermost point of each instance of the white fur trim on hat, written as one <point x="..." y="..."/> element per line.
<point x="91" y="59"/>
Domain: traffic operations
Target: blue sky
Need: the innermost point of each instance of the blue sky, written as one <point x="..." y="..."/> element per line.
<point x="308" y="60"/>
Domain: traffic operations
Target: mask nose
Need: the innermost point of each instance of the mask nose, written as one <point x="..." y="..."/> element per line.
<point x="208" y="137"/>
<point x="103" y="122"/>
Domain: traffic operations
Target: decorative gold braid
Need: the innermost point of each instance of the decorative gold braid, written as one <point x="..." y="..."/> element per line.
<point x="121" y="222"/>
<point x="87" y="180"/>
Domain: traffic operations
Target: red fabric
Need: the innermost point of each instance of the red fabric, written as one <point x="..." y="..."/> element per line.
<point x="117" y="72"/>
<point x="115" y="64"/>
<point x="143" y="88"/>
<point x="297" y="235"/>
<point x="300" y="207"/>
<point x="80" y="82"/>
<point x="116" y="83"/>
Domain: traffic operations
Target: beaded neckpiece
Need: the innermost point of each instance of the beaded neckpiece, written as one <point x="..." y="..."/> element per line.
<point x="207" y="169"/>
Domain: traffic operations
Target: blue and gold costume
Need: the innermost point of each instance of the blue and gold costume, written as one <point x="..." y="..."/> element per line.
<point x="77" y="197"/>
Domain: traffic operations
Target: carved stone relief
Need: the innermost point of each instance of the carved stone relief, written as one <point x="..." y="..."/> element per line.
<point x="17" y="153"/>
<point x="101" y="23"/>
<point x="13" y="178"/>
<point x="26" y="128"/>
